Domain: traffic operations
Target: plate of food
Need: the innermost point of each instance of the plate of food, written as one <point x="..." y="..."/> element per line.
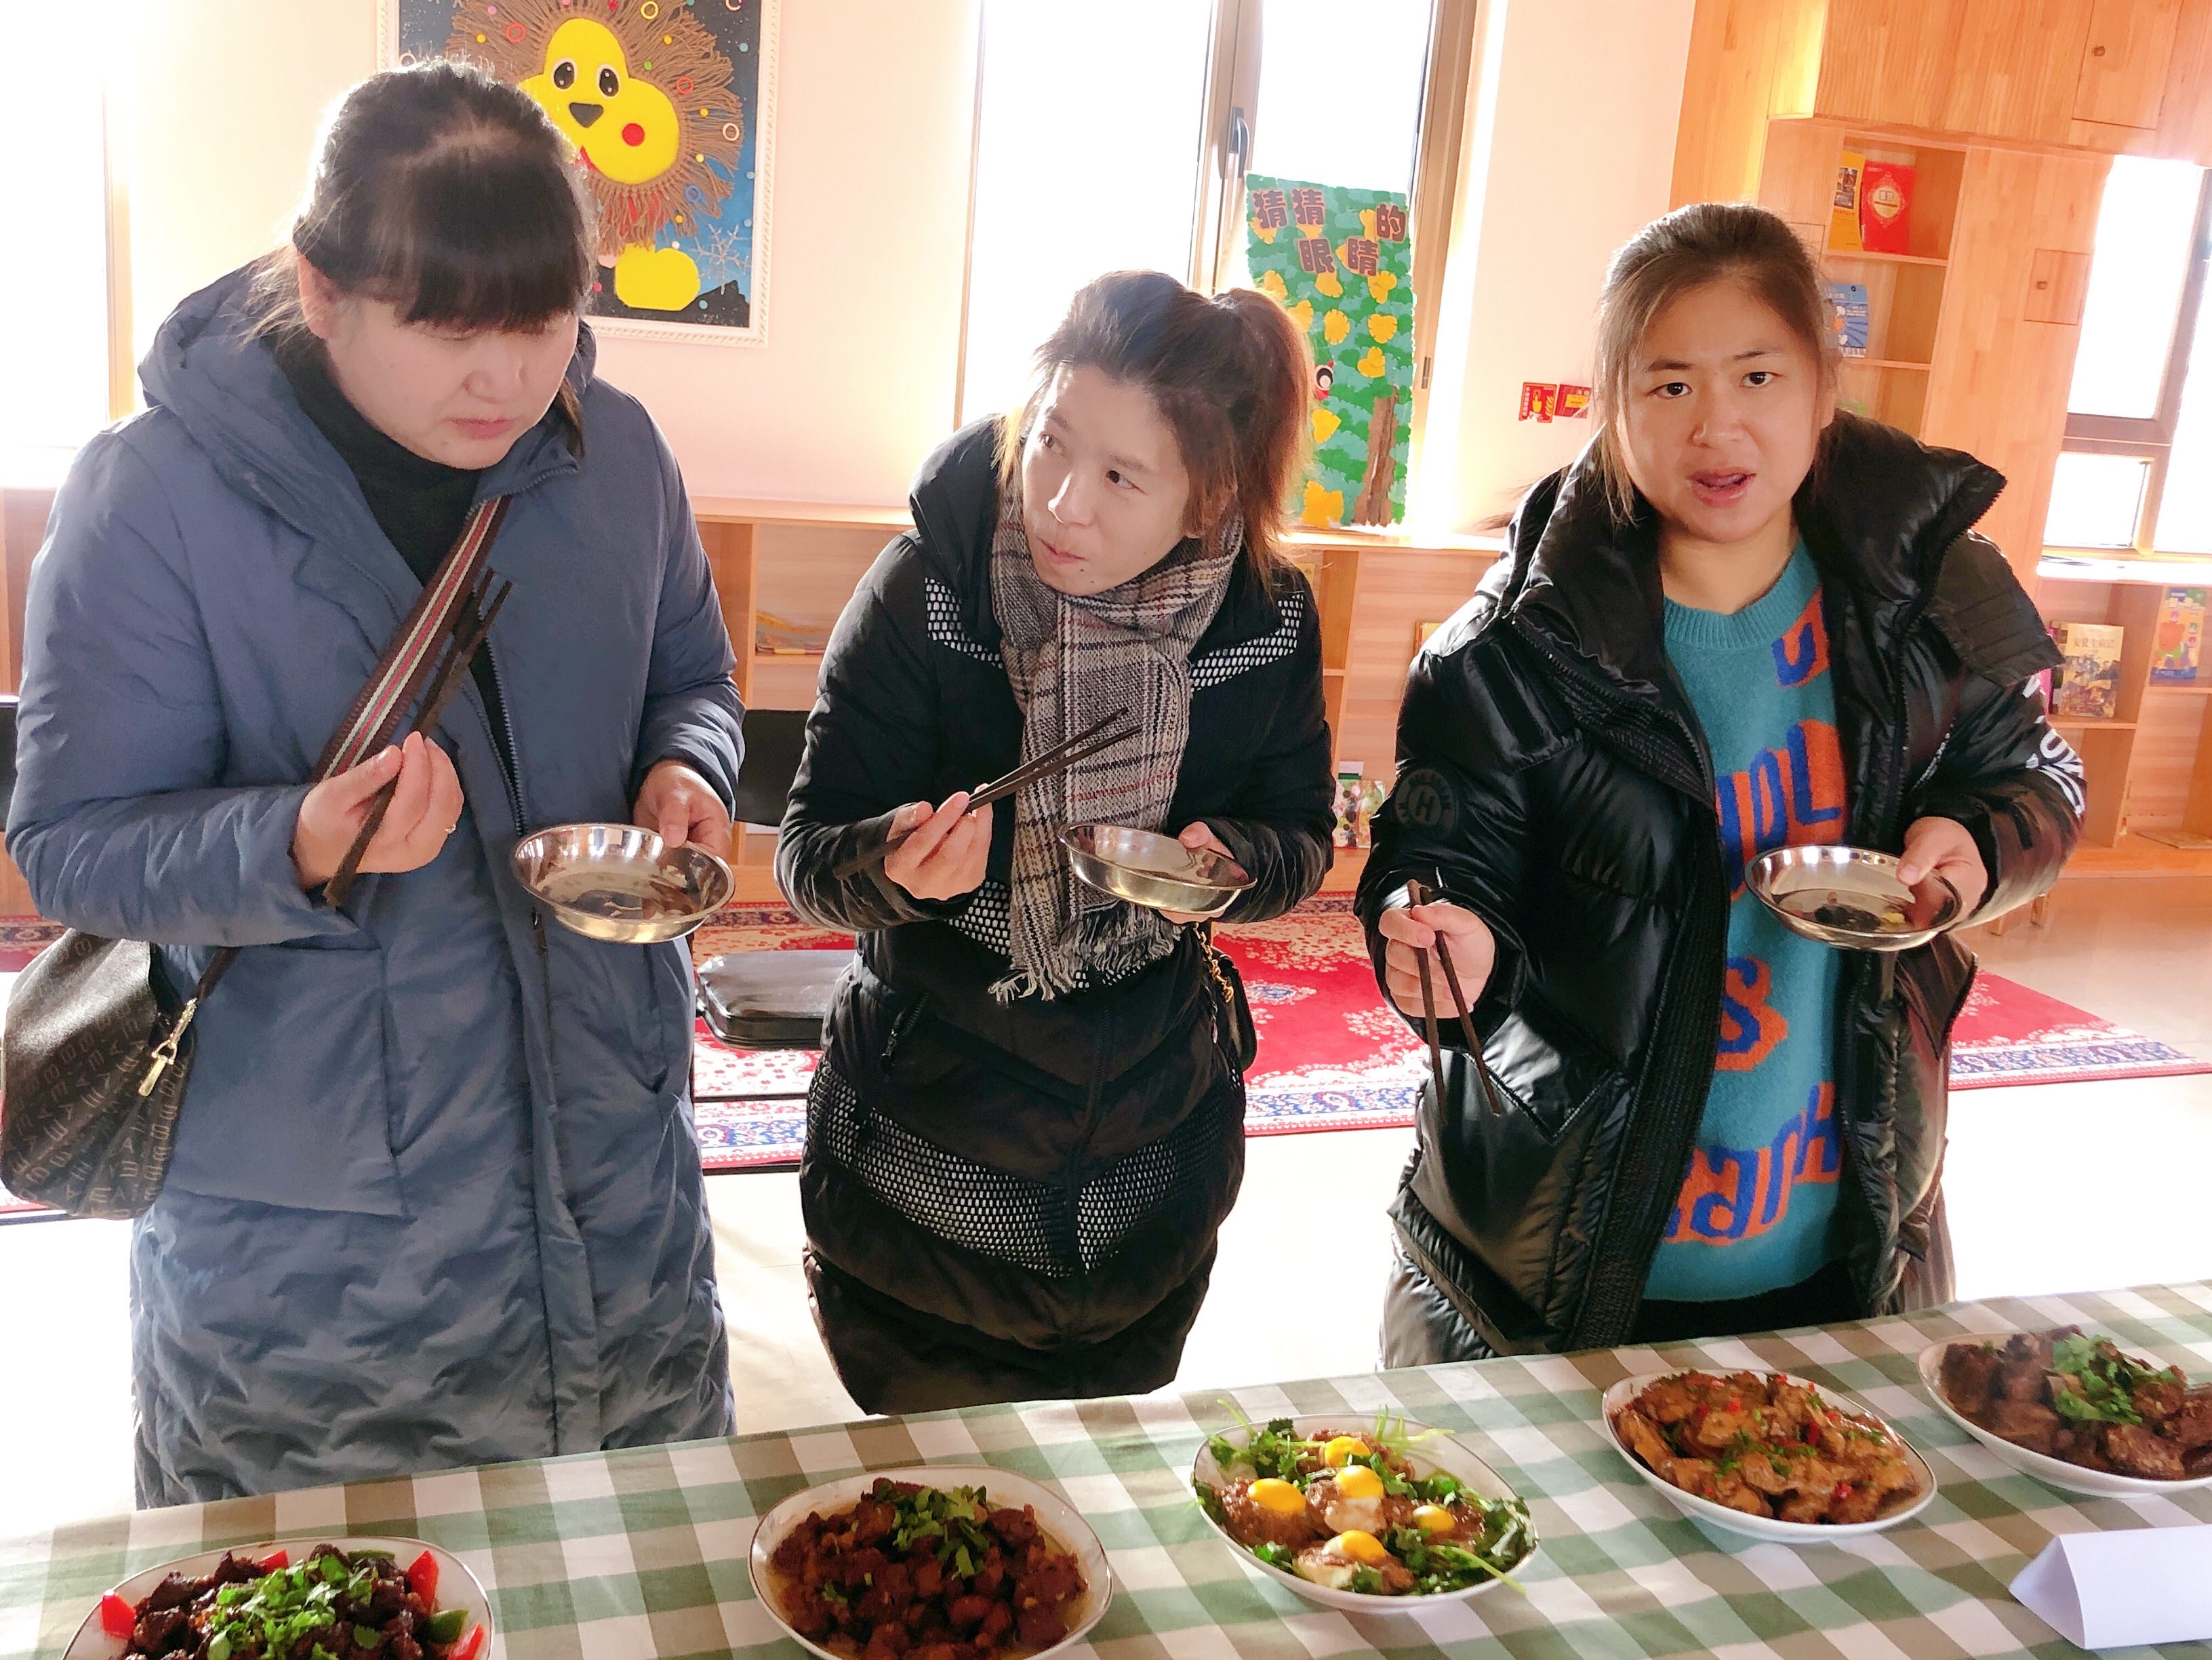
<point x="977" y="1559"/>
<point x="1854" y="897"/>
<point x="348" y="1600"/>
<point x="1767" y="1455"/>
<point x="2074" y="1411"/>
<point x="1348" y="1514"/>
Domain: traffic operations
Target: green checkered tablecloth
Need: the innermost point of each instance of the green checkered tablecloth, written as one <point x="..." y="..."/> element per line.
<point x="624" y="1555"/>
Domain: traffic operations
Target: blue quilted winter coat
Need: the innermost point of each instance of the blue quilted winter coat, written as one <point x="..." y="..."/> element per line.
<point x="435" y="1199"/>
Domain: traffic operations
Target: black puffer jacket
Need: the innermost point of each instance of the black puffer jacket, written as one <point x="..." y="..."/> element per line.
<point x="1035" y="1178"/>
<point x="1553" y="776"/>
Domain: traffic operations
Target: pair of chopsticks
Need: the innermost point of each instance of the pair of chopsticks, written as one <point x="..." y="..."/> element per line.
<point x="1094" y="740"/>
<point x="1421" y="894"/>
<point x="471" y="627"/>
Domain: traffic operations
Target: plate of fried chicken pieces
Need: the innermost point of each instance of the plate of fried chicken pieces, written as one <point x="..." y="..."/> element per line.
<point x="1767" y="1455"/>
<point x="2074" y="1411"/>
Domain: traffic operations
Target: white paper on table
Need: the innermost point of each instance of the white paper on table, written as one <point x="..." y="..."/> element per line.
<point x="2107" y="1590"/>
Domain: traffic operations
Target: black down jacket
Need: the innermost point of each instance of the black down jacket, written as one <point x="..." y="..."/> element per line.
<point x="1553" y="776"/>
<point x="1030" y="1192"/>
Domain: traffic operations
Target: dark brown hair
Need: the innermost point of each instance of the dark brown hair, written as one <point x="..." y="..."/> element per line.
<point x="449" y="196"/>
<point x="1230" y="375"/>
<point x="1692" y="248"/>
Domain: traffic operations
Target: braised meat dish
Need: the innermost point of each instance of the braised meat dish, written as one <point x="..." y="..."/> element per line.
<point x="2078" y="1398"/>
<point x="1758" y="1442"/>
<point x="334" y="1605"/>
<point x="928" y="1574"/>
<point x="1348" y="1510"/>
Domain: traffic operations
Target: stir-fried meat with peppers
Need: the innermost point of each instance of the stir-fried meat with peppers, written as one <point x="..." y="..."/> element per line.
<point x="2074" y="1397"/>
<point x="334" y="1605"/>
<point x="1759" y="1444"/>
<point x="930" y="1575"/>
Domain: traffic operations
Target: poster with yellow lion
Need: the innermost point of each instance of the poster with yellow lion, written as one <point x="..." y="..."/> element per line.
<point x="668" y="104"/>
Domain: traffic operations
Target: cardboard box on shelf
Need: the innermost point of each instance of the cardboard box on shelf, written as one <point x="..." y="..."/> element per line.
<point x="1886" y="208"/>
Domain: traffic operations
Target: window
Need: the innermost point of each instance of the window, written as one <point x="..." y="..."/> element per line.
<point x="1113" y="137"/>
<point x="2137" y="470"/>
<point x="57" y="305"/>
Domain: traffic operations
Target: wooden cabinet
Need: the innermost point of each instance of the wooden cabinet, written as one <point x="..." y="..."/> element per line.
<point x="2124" y="62"/>
<point x="2014" y="72"/>
<point x="2003" y="353"/>
<point x="2132" y="76"/>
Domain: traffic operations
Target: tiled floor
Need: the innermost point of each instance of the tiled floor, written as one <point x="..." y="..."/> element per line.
<point x="2058" y="1188"/>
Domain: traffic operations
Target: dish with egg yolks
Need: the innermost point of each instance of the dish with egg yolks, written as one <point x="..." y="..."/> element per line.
<point x="1345" y="1515"/>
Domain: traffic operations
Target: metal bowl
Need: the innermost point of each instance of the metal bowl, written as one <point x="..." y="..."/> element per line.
<point x="621" y="882"/>
<point x="1852" y="897"/>
<point x="1157" y="872"/>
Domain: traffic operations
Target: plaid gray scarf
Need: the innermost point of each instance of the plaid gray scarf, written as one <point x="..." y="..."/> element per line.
<point x="1074" y="661"/>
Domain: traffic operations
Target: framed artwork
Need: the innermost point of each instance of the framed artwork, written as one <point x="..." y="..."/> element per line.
<point x="1339" y="261"/>
<point x="670" y="105"/>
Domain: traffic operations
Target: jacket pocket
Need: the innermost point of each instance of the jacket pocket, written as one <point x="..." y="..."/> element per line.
<point x="1551" y="1081"/>
<point x="288" y="1102"/>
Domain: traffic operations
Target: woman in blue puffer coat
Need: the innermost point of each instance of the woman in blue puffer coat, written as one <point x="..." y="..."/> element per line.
<point x="435" y="1199"/>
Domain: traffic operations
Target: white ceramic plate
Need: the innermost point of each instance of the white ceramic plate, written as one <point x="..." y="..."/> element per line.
<point x="1067" y="1528"/>
<point x="457" y="1587"/>
<point x="1768" y="1528"/>
<point x="1432" y="1452"/>
<point x="2051" y="1472"/>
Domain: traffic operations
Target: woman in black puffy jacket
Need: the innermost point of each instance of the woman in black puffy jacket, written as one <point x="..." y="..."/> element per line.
<point x="1028" y="1121"/>
<point x="1740" y="621"/>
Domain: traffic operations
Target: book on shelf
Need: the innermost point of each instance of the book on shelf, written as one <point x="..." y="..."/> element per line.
<point x="1886" y="207"/>
<point x="1848" y="302"/>
<point x="2088" y="681"/>
<point x="2177" y="646"/>
<point x="1843" y="217"/>
<point x="773" y="637"/>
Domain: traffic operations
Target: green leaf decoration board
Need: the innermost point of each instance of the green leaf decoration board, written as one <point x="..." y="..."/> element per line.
<point x="1341" y="262"/>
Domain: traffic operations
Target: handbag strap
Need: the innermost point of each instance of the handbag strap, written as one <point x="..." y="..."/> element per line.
<point x="377" y="711"/>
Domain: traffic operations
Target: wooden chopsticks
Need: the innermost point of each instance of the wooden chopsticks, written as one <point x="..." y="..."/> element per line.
<point x="1420" y="894"/>
<point x="472" y="623"/>
<point x="1094" y="740"/>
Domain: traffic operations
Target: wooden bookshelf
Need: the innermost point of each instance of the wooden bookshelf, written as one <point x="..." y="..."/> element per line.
<point x="2148" y="766"/>
<point x="799" y="561"/>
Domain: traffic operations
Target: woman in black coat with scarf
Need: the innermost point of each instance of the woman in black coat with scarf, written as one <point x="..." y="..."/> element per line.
<point x="1027" y="1124"/>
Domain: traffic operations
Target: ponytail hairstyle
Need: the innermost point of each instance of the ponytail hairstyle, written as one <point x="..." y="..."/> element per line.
<point x="1693" y="248"/>
<point x="1230" y="375"/>
<point x="449" y="196"/>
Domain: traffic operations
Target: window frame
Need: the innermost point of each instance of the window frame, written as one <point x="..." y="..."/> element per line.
<point x="2150" y="438"/>
<point x="1225" y="150"/>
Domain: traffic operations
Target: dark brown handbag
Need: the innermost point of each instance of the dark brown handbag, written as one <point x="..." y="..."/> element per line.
<point x="98" y="1048"/>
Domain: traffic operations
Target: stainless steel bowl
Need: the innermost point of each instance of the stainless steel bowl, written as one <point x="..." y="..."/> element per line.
<point x="1157" y="872"/>
<point x="621" y="882"/>
<point x="1851" y="897"/>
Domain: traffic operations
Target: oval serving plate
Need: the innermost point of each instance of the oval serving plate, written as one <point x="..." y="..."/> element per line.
<point x="2051" y="1472"/>
<point x="1851" y="897"/>
<point x="1767" y="1528"/>
<point x="621" y="882"/>
<point x="457" y="1588"/>
<point x="1055" y="1515"/>
<point x="1432" y="1452"/>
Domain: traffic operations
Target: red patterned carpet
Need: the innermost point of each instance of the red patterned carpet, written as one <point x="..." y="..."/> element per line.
<point x="1331" y="1056"/>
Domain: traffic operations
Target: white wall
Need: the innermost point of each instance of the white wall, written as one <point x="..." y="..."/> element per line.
<point x="1570" y="149"/>
<point x="875" y="104"/>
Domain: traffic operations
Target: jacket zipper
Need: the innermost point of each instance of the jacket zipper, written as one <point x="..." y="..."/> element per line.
<point x="1851" y="987"/>
<point x="510" y="770"/>
<point x="1661" y="1127"/>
